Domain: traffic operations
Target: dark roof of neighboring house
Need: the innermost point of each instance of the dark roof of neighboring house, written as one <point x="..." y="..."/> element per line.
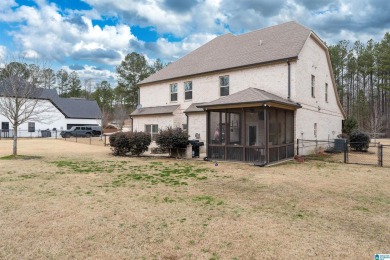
<point x="69" y="107"/>
<point x="279" y="42"/>
<point x="154" y="110"/>
<point x="78" y="108"/>
<point x="194" y="108"/>
<point x="247" y="96"/>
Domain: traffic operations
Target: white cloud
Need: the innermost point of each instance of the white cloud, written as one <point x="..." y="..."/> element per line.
<point x="175" y="50"/>
<point x="94" y="74"/>
<point x="44" y="31"/>
<point x="178" y="18"/>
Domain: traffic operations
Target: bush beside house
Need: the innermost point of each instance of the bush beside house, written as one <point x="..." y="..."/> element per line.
<point x="173" y="139"/>
<point x="134" y="143"/>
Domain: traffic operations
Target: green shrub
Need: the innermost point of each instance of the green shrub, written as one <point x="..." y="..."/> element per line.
<point x="172" y="139"/>
<point x="359" y="140"/>
<point x="135" y="143"/>
<point x="120" y="143"/>
<point x="139" y="142"/>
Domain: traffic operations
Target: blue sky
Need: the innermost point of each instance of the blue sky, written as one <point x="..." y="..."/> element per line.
<point x="93" y="36"/>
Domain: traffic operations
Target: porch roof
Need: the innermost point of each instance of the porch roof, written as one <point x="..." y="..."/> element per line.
<point x="154" y="110"/>
<point x="249" y="96"/>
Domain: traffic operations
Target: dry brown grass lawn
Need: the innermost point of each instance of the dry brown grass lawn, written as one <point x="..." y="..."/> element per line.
<point x="78" y="201"/>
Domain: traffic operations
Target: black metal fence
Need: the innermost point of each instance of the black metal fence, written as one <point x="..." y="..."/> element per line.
<point x="54" y="134"/>
<point x="340" y="150"/>
<point x="9" y="133"/>
<point x="384" y="155"/>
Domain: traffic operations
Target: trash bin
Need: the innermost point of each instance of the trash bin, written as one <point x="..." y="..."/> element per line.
<point x="195" y="147"/>
<point x="339" y="145"/>
<point x="45" y="133"/>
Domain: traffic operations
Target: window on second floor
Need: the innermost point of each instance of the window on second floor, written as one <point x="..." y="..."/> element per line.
<point x="188" y="90"/>
<point x="326" y="92"/>
<point x="313" y="84"/>
<point x="224" y="85"/>
<point x="173" y="88"/>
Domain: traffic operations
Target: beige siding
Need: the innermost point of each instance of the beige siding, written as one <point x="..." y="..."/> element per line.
<point x="162" y="121"/>
<point x="328" y="116"/>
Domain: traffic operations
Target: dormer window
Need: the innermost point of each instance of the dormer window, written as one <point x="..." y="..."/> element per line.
<point x="224" y="85"/>
<point x="173" y="88"/>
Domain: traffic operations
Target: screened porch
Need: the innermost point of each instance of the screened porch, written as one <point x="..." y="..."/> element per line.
<point x="254" y="134"/>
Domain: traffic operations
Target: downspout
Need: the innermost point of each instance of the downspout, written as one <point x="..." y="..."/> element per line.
<point x="188" y="128"/>
<point x="132" y="124"/>
<point x="289" y="80"/>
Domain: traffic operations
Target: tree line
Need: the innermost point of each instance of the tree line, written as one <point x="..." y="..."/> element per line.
<point x="362" y="74"/>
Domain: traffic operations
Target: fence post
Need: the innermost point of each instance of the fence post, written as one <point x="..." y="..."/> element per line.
<point x="105" y="142"/>
<point x="380" y="155"/>
<point x="346" y="151"/>
<point x="297" y="146"/>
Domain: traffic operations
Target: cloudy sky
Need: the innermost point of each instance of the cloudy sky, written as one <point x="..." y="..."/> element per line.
<point x="93" y="36"/>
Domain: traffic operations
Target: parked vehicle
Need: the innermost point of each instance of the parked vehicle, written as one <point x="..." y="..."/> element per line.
<point x="82" y="131"/>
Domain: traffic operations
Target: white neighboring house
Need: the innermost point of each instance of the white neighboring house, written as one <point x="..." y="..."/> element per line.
<point x="248" y="97"/>
<point x="63" y="114"/>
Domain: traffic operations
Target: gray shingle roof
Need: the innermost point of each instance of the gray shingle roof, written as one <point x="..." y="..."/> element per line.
<point x="278" y="42"/>
<point x="249" y="95"/>
<point x="154" y="110"/>
<point x="194" y="108"/>
<point x="78" y="108"/>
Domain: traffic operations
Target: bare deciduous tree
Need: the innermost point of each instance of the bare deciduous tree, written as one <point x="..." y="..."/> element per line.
<point x="20" y="99"/>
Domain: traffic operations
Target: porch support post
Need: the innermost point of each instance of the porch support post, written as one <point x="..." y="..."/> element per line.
<point x="207" y="132"/>
<point x="227" y="132"/>
<point x="243" y="135"/>
<point x="266" y="134"/>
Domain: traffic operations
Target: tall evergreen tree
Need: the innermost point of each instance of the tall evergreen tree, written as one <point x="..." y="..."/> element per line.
<point x="133" y="69"/>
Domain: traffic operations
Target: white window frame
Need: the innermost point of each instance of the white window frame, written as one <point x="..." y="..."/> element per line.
<point x="224" y="86"/>
<point x="170" y="91"/>
<point x="152" y="133"/>
<point x="187" y="91"/>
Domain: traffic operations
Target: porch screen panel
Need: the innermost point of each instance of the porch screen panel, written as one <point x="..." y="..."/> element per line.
<point x="281" y="126"/>
<point x="255" y="127"/>
<point x="273" y="127"/>
<point x="234" y="128"/>
<point x="217" y="128"/>
<point x="289" y="127"/>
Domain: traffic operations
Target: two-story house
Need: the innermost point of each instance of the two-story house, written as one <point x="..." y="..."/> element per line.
<point x="248" y="97"/>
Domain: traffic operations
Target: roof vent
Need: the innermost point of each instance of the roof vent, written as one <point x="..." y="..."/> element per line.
<point x="260" y="42"/>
